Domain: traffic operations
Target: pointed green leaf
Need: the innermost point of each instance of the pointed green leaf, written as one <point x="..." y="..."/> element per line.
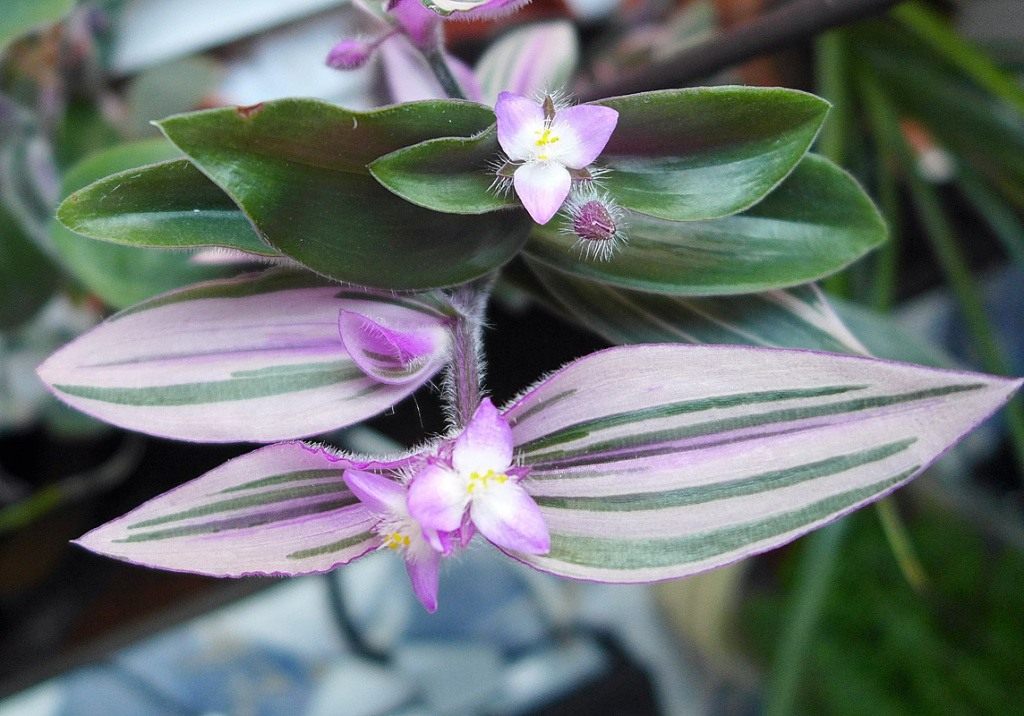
<point x="681" y="155"/>
<point x="122" y="275"/>
<point x="167" y="205"/>
<point x="297" y="168"/>
<point x="818" y="221"/>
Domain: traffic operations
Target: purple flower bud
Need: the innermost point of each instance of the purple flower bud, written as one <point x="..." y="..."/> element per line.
<point x="596" y="222"/>
<point x="350" y="54"/>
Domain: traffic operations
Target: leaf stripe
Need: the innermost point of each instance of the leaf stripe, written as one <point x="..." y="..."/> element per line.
<point x="246" y="502"/>
<point x="516" y="419"/>
<point x="763" y="482"/>
<point x="297" y="476"/>
<point x="242" y="522"/>
<point x="254" y="384"/>
<point x="589" y="454"/>
<point x="582" y="429"/>
<point x="332" y="547"/>
<point x="617" y="553"/>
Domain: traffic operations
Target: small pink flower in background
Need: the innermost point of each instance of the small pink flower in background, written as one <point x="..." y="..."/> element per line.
<point x="398" y="531"/>
<point x="479" y="477"/>
<point x="545" y="145"/>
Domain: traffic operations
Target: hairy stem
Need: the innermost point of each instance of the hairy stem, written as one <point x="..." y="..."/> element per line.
<point x="465" y="373"/>
<point x="779" y="28"/>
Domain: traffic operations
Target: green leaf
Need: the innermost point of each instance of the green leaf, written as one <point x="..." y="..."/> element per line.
<point x="818" y="221"/>
<point x="795" y="318"/>
<point x="707" y="152"/>
<point x="679" y="155"/>
<point x="167" y="205"/>
<point x="27" y="278"/>
<point x="122" y="275"/>
<point x="297" y="168"/>
<point x="20" y="16"/>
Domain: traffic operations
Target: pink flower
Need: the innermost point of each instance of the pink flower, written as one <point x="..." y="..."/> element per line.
<point x="544" y="143"/>
<point x="479" y="482"/>
<point x="398" y="531"/>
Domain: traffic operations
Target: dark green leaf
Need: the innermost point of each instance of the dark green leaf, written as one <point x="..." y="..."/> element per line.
<point x="680" y="155"/>
<point x="169" y="205"/>
<point x="816" y="222"/>
<point x="297" y="168"/>
<point x="122" y="275"/>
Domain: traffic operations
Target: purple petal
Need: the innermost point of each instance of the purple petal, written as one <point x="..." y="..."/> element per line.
<point x="542" y="187"/>
<point x="507" y="516"/>
<point x="423" y="572"/>
<point x="485" y="444"/>
<point x="420" y="24"/>
<point x="393" y="355"/>
<point x="590" y="126"/>
<point x="518" y="119"/>
<point x="282" y="510"/>
<point x="381" y="495"/>
<point x="438" y="498"/>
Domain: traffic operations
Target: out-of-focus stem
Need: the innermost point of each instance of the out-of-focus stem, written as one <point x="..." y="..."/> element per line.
<point x="443" y="73"/>
<point x="817" y="566"/>
<point x="901" y="545"/>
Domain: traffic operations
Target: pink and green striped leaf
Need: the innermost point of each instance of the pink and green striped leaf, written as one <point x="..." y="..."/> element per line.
<point x="256" y="358"/>
<point x="659" y="461"/>
<point x="281" y="510"/>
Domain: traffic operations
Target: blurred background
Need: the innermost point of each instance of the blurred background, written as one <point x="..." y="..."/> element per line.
<point x="913" y="607"/>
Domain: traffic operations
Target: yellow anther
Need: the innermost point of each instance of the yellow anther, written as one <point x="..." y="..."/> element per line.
<point x="546" y="137"/>
<point x="475" y="478"/>
<point x="397" y="540"/>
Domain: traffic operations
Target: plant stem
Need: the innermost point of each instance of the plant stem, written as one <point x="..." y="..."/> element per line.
<point x="1000" y="218"/>
<point x="793" y="22"/>
<point x="443" y="73"/>
<point x="901" y="545"/>
<point x="465" y="374"/>
<point x="817" y="564"/>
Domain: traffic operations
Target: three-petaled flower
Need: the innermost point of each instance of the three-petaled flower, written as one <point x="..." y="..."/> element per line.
<point x="469" y="485"/>
<point x="547" y="145"/>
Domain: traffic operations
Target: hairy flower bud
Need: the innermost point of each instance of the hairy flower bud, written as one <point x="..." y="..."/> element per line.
<point x="596" y="222"/>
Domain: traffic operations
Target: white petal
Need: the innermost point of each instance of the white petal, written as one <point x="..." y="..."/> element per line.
<point x="542" y="187"/>
<point x="520" y="121"/>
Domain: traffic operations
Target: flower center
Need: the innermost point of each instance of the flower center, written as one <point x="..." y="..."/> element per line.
<point x="484" y="480"/>
<point x="545" y="138"/>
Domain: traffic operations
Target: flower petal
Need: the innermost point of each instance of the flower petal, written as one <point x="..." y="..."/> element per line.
<point x="585" y="130"/>
<point x="380" y="494"/>
<point x="485" y="444"/>
<point x="518" y="119"/>
<point x="542" y="187"/>
<point x="423" y="573"/>
<point x="507" y="516"/>
<point x="437" y="498"/>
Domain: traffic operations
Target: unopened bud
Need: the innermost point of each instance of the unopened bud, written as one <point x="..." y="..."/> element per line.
<point x="350" y="54"/>
<point x="595" y="221"/>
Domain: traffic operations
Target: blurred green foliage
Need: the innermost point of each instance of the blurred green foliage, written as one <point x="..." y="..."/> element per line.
<point x="881" y="648"/>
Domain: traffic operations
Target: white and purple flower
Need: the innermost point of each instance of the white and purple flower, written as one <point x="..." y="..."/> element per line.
<point x="478" y="482"/>
<point x="547" y="147"/>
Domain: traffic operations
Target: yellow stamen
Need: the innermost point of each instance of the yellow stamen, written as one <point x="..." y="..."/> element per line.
<point x="475" y="478"/>
<point x="396" y="540"/>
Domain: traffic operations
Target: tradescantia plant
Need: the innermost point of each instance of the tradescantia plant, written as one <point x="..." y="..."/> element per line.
<point x="681" y="216"/>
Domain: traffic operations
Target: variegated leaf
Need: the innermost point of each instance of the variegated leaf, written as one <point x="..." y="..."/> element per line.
<point x="281" y="510"/>
<point x="659" y="461"/>
<point x="257" y="358"/>
<point x="529" y="60"/>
